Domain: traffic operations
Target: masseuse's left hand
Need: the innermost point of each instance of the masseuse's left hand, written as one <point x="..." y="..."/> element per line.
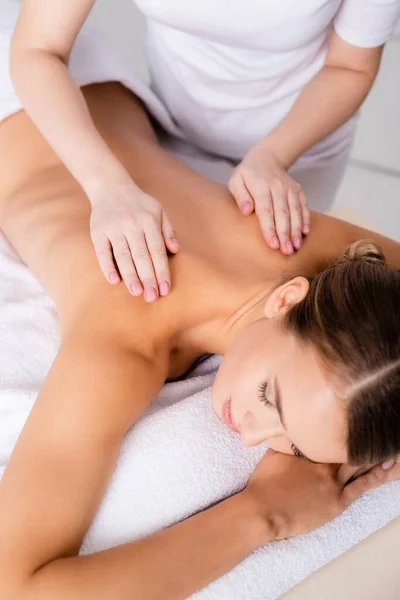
<point x="261" y="183"/>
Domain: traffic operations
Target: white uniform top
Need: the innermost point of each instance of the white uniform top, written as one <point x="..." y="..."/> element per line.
<point x="229" y="71"/>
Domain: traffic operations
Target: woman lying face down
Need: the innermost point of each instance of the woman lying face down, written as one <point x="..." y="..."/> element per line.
<point x="318" y="375"/>
<point x="323" y="346"/>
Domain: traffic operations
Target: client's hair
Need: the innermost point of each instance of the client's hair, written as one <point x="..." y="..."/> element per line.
<point x="351" y="316"/>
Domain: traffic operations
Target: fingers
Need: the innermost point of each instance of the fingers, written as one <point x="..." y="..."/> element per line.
<point x="292" y="216"/>
<point x="105" y="257"/>
<point x="123" y="258"/>
<point x="139" y="252"/>
<point x="280" y="205"/>
<point x="375" y="477"/>
<point x="143" y="263"/>
<point x="305" y="213"/>
<point x="241" y="194"/>
<point x="156" y="247"/>
<point x="282" y="217"/>
<point x="169" y="234"/>
<point x="296" y="218"/>
<point x="262" y="204"/>
<point x="267" y="219"/>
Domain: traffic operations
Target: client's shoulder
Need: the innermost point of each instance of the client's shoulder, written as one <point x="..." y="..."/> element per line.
<point x="113" y="313"/>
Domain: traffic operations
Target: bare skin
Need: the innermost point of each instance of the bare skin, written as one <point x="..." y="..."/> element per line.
<point x="117" y="351"/>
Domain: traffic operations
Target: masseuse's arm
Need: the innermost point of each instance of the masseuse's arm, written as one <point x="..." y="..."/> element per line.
<point x="127" y="225"/>
<point x="58" y="473"/>
<point x="328" y="101"/>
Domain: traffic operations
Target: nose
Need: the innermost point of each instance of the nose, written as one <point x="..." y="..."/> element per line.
<point x="258" y="426"/>
<point x="252" y="436"/>
<point x="251" y="440"/>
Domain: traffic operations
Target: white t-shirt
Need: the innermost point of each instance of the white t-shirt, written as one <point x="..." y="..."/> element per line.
<point x="230" y="70"/>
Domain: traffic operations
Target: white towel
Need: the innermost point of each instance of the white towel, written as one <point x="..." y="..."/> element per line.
<point x="179" y="457"/>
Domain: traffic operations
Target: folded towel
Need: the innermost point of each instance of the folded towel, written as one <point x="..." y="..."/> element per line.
<point x="178" y="458"/>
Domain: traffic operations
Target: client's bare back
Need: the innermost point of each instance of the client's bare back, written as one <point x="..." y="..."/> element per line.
<point x="116" y="350"/>
<point x="45" y="214"/>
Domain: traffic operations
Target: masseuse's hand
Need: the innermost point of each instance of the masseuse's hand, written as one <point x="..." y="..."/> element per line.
<point x="261" y="183"/>
<point x="131" y="234"/>
<point x="294" y="496"/>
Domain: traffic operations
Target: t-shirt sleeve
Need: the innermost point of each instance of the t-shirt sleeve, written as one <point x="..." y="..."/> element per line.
<point x="367" y="23"/>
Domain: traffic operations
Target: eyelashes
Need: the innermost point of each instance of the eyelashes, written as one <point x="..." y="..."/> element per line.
<point x="261" y="394"/>
<point x="296" y="451"/>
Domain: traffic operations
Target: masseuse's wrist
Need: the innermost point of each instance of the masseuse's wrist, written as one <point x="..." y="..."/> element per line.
<point x="275" y="145"/>
<point x="103" y="182"/>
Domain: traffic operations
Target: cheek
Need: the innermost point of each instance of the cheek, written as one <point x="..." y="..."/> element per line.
<point x="232" y="379"/>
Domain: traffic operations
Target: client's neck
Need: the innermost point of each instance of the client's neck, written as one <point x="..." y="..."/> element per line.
<point x="216" y="333"/>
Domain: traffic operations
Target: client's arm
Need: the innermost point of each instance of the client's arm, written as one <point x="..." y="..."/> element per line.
<point x="57" y="476"/>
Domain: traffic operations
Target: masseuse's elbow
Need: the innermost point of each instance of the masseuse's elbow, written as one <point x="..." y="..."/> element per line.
<point x="29" y="64"/>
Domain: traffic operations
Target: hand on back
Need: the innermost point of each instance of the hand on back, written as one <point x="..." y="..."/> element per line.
<point x="131" y="234"/>
<point x="262" y="184"/>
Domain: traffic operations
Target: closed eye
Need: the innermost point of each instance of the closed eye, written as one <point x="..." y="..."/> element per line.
<point x="262" y="396"/>
<point x="297" y="452"/>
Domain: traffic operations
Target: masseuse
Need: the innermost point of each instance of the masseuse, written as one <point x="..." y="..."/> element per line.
<point x="273" y="86"/>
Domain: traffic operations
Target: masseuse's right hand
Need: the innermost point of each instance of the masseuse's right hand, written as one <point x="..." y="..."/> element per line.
<point x="293" y="495"/>
<point x="130" y="231"/>
<point x="131" y="234"/>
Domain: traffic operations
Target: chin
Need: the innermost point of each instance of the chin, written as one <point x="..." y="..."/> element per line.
<point x="278" y="447"/>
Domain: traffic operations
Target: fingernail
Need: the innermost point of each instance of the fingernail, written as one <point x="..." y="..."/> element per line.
<point x="175" y="242"/>
<point x="275" y="242"/>
<point x="297" y="241"/>
<point x="150" y="294"/>
<point x="289" y="246"/>
<point x="164" y="288"/>
<point x="136" y="288"/>
<point x="306" y="229"/>
<point x="113" y="277"/>
<point x="245" y="206"/>
<point x="388" y="464"/>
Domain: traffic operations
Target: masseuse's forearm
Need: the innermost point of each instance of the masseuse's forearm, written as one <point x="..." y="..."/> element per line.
<point x="169" y="565"/>
<point x="327" y="102"/>
<point x="56" y="105"/>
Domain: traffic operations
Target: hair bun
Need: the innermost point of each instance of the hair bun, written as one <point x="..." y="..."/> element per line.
<point x="364" y="250"/>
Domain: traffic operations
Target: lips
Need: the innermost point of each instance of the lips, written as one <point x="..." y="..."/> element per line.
<point x="227" y="416"/>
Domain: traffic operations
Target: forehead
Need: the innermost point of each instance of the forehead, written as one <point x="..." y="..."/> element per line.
<point x="315" y="417"/>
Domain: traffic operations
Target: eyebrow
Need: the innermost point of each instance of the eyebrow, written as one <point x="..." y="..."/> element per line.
<point x="278" y="405"/>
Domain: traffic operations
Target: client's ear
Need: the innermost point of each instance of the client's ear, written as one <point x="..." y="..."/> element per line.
<point x="285" y="296"/>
